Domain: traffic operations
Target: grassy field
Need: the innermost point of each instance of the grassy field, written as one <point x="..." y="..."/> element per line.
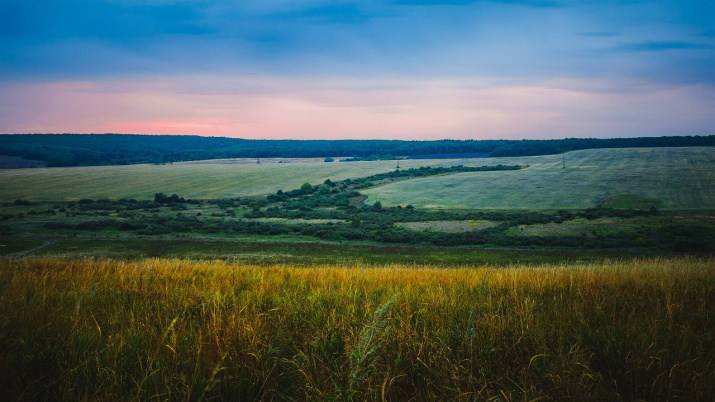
<point x="604" y="226"/>
<point x="667" y="178"/>
<point x="269" y="250"/>
<point x="448" y="226"/>
<point x="192" y="330"/>
<point x="190" y="180"/>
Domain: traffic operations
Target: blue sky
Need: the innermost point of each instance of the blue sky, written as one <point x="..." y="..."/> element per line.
<point x="406" y="69"/>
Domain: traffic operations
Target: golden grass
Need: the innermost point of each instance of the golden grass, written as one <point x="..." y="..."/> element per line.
<point x="178" y="329"/>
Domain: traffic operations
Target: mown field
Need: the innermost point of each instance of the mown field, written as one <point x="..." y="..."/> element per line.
<point x="201" y="330"/>
<point x="668" y="178"/>
<point x="208" y="180"/>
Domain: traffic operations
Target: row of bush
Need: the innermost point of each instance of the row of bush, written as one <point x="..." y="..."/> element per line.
<point x="674" y="237"/>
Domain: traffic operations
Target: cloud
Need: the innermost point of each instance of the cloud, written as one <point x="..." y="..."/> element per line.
<point x="407" y="67"/>
<point x="53" y="39"/>
<point x="266" y="107"/>
<point x="530" y="3"/>
<point x="656" y="46"/>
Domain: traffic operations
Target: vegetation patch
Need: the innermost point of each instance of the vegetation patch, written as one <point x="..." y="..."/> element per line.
<point x="300" y="221"/>
<point x="448" y="226"/>
<point x="298" y="251"/>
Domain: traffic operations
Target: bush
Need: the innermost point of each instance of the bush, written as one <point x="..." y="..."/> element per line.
<point x="306" y="188"/>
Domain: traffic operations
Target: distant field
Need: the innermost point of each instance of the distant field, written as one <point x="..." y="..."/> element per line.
<point x="210" y="179"/>
<point x="668" y="178"/>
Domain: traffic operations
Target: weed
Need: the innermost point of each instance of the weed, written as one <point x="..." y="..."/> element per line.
<point x="365" y="353"/>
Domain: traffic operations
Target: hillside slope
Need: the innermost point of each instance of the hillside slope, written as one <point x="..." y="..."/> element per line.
<point x="668" y="178"/>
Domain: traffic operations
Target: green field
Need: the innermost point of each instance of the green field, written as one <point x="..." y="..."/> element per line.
<point x="262" y="250"/>
<point x="191" y="179"/>
<point x="668" y="178"/>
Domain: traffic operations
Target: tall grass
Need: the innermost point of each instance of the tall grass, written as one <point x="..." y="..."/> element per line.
<point x="201" y="330"/>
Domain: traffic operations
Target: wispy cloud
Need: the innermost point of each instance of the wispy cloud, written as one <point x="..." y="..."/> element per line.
<point x="530" y="3"/>
<point x="266" y="107"/>
<point x="657" y="46"/>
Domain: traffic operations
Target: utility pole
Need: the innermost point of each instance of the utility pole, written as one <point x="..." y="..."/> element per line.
<point x="564" y="156"/>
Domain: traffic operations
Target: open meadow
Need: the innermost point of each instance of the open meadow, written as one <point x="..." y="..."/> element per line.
<point x="640" y="329"/>
<point x="204" y="180"/>
<point x="668" y="178"/>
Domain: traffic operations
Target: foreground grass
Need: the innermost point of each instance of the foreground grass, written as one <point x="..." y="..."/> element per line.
<point x="178" y="329"/>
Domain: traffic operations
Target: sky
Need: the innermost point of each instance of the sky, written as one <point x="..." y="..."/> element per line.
<point x="402" y="69"/>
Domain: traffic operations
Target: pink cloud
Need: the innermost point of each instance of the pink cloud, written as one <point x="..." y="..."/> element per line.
<point x="330" y="108"/>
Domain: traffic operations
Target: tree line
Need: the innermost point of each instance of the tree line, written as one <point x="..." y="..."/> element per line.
<point x="124" y="149"/>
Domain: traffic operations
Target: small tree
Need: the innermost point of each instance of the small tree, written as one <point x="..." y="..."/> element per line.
<point x="306" y="188"/>
<point x="323" y="189"/>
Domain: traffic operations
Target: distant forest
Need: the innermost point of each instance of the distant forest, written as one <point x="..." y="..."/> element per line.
<point x="125" y="149"/>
